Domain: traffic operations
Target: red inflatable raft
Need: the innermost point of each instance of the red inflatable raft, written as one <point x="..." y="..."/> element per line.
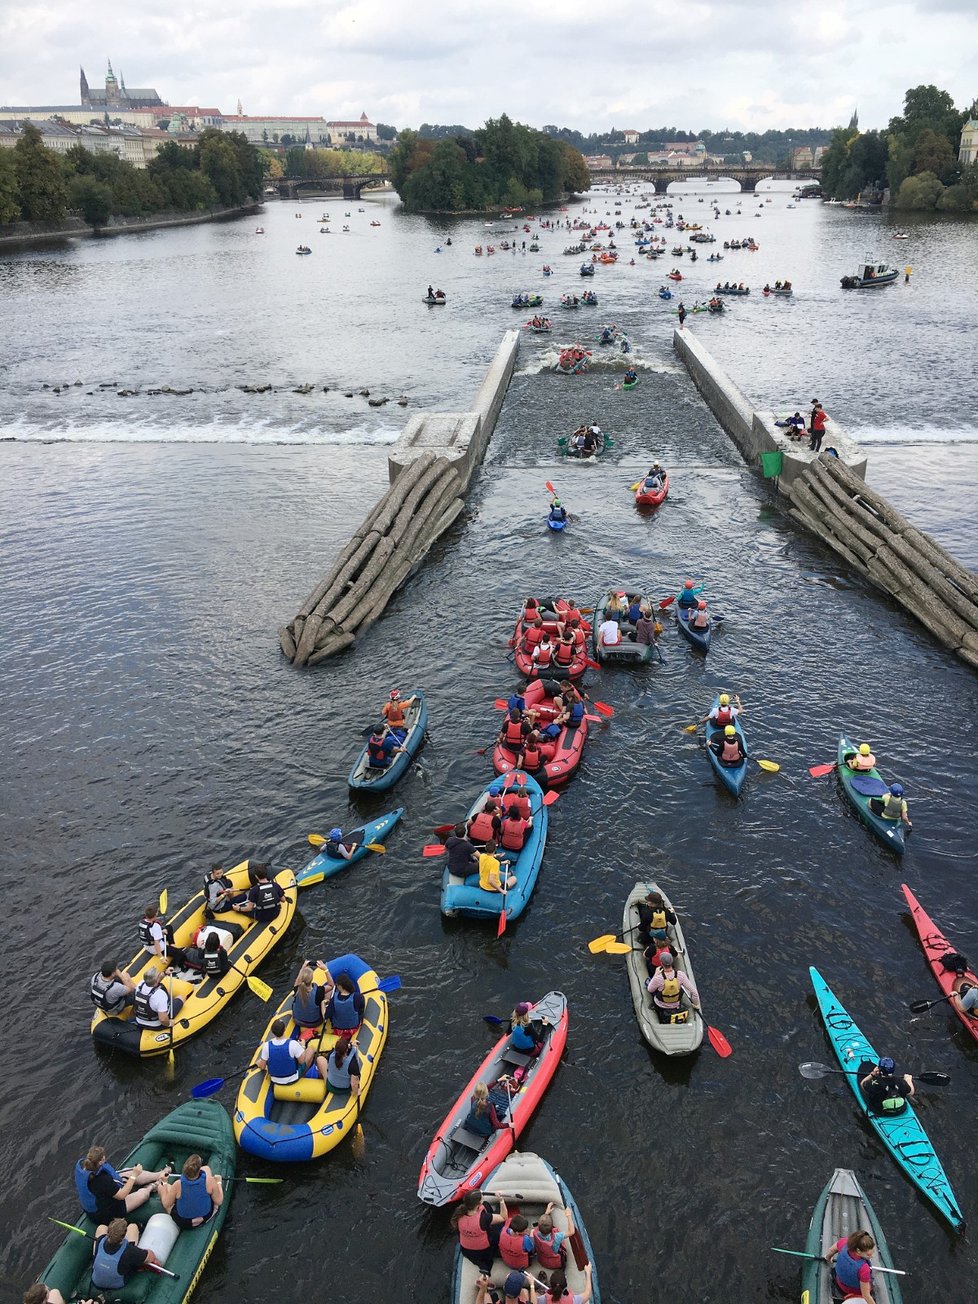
<point x="562" y="755"/>
<point x="652" y="497"/>
<point x="523" y="654"/>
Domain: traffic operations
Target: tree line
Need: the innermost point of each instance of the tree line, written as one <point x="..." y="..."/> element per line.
<point x="915" y="157"/>
<point x="503" y="164"/>
<point x="221" y="169"/>
<point x="318" y="164"/>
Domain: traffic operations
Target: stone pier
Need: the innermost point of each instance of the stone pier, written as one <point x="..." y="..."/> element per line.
<point x="430" y="467"/>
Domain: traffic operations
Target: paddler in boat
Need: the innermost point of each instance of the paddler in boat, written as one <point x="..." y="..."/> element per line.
<point x="572" y="711"/>
<point x="557" y="510"/>
<point x="515" y="729"/>
<point x="666" y="988"/>
<point x="565" y="648"/>
<point x="861" y="760"/>
<point x="382" y="746"/>
<point x="518" y="1289"/>
<point x="892" y="805"/>
<point x="395" y="711"/>
<point x="723" y="713"/>
<point x="527" y="1035"/>
<point x="282" y="1056"/>
<point x="698" y="617"/>
<point x="965" y="997"/>
<point x="646" y="629"/>
<point x="463" y="857"/>
<point x="104" y="1193"/>
<point x="513" y="829"/>
<point x="559" y="1292"/>
<point x="345" y="1005"/>
<point x="486" y="1112"/>
<point x="220" y="894"/>
<point x="196" y="1195"/>
<point x="41" y="1294"/>
<point x="728" y="747"/>
<point x="157" y="936"/>
<point x="654" y="479"/>
<point x="491" y="870"/>
<point x="308" y="1001"/>
<point x="532" y="755"/>
<point x="335" y="847"/>
<point x="478" y="1229"/>
<point x="885" y="1091"/>
<point x="687" y="598"/>
<point x="852" y="1273"/>
<point x="655" y="920"/>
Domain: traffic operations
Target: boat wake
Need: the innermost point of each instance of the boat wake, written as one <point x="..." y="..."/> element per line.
<point x="606" y="359"/>
<point x="242" y="429"/>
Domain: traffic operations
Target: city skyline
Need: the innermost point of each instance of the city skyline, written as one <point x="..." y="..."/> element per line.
<point x="412" y="64"/>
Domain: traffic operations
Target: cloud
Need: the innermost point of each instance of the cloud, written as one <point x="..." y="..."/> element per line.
<point x="738" y="64"/>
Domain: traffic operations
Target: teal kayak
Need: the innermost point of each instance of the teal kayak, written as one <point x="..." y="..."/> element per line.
<point x="325" y="866"/>
<point x="888" y="831"/>
<point x="902" y="1133"/>
<point x="844" y="1208"/>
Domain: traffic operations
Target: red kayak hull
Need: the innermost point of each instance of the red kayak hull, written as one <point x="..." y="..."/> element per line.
<point x="645" y="498"/>
<point x="524" y="662"/>
<point x="570" y="741"/>
<point x="935" y="945"/>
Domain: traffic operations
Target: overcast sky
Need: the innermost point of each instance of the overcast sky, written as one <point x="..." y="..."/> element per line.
<point x="580" y="63"/>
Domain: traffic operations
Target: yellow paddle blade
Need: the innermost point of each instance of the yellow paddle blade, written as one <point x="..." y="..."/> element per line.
<point x="771" y="766"/>
<point x="617" y="948"/>
<point x="259" y="988"/>
<point x="690" y="728"/>
<point x="171" y="1065"/>
<point x="378" y="847"/>
<point x="599" y="943"/>
<point x="69" y="1227"/>
<point x="358" y="1142"/>
<point x="317" y="840"/>
<point x="634" y="486"/>
<point x="164" y="900"/>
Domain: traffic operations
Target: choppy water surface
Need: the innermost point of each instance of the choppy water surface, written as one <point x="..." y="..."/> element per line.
<point x="151" y="727"/>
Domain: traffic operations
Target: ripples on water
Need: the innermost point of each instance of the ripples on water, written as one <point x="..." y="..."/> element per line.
<point x="151" y="727"/>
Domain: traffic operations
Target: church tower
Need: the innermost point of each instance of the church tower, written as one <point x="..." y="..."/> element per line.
<point x="112" y="99"/>
<point x="85" y="97"/>
<point x="854" y="121"/>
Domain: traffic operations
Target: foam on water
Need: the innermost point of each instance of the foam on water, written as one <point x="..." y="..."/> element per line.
<point x="219" y="430"/>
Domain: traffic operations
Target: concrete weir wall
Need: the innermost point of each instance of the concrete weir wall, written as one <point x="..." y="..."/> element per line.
<point x="430" y="468"/>
<point x="754" y="432"/>
<point x="829" y="496"/>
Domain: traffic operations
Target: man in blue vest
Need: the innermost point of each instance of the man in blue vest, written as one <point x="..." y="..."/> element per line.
<point x="117" y="1256"/>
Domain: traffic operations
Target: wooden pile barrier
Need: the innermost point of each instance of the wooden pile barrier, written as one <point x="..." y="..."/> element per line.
<point x="386" y="548"/>
<point x="870" y="533"/>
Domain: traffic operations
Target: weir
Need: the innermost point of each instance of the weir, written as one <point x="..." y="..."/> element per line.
<point x="829" y="496"/>
<point x="430" y="468"/>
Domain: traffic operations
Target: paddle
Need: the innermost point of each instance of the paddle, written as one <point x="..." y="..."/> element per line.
<point x="668" y="601"/>
<point x="443" y="829"/>
<point x="213" y="1085"/>
<point x="257" y="1181"/>
<point x="598" y="944"/>
<point x="164" y="900"/>
<point x="317" y="840"/>
<point x="800" y="1254"/>
<point x="604" y="708"/>
<point x="550" y="488"/>
<point x="550" y="797"/>
<point x="433" y="849"/>
<point x="501" y="927"/>
<point x="718" y="1041"/>
<point x="816" y="771"/>
<point x="814" y="1071"/>
<point x="155" y="1267"/>
<point x="921" y="1007"/>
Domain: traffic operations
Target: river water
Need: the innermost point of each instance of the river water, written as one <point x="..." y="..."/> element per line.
<point x="153" y="543"/>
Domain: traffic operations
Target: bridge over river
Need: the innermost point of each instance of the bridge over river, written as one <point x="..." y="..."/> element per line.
<point x="748" y="176"/>
<point x="350" y="186"/>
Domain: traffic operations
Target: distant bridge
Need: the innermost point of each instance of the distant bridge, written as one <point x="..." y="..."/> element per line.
<point x="350" y="187"/>
<point x="662" y="177"/>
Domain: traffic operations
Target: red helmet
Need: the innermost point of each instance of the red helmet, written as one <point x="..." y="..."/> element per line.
<point x="701" y="605"/>
<point x="687" y="584"/>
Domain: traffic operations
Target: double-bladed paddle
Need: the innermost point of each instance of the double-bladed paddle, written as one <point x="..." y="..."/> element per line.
<point x="800" y="1254"/>
<point x="813" y="1071"/>
<point x="317" y="840"/>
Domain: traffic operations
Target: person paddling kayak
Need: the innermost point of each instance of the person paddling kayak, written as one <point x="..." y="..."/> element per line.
<point x="852" y="1273"/>
<point x="886" y="1092"/>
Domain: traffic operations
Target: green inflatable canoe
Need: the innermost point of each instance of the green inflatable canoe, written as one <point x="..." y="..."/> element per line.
<point x="198" y="1127"/>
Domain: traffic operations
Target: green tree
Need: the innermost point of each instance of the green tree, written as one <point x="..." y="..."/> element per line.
<point x="9" y="190"/>
<point x="927" y="107"/>
<point x="219" y="164"/>
<point x="933" y="153"/>
<point x="40" y="178"/>
<point x="922" y="191"/>
<point x="93" y="199"/>
<point x="640" y="160"/>
<point x="384" y="132"/>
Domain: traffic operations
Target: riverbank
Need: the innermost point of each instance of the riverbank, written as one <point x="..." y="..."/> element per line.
<point x="15" y="235"/>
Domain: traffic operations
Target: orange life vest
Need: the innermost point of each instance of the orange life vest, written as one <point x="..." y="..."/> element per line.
<point x="513" y="834"/>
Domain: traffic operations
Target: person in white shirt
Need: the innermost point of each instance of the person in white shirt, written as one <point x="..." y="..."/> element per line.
<point x="283" y="1057"/>
<point x="609" y="633"/>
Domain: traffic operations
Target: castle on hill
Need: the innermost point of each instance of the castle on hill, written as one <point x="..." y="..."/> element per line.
<point x="116" y="95"/>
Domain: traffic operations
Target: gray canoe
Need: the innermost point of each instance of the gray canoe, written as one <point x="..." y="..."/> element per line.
<point x="670" y="1038"/>
<point x="844" y="1208"/>
<point x="526" y="1180"/>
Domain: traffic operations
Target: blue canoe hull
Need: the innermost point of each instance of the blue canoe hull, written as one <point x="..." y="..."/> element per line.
<point x="364" y="779"/>
<point x="700" y="639"/>
<point x="889" y="832"/>
<point x="731" y="776"/>
<point x="902" y="1134"/>
<point x="468" y="899"/>
<point x="556" y="526"/>
<point x="372" y="831"/>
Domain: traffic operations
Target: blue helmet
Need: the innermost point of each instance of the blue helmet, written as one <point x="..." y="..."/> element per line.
<point x="896" y="789"/>
<point x="887" y="1065"/>
<point x="335" y="835"/>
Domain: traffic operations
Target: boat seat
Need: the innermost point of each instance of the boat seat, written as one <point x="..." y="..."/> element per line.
<point x="471" y="1140"/>
<point x="511" y="1056"/>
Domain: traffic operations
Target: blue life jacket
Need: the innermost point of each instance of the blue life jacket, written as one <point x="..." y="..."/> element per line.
<point x="847" y="1269"/>
<point x="688" y="598"/>
<point x="279" y="1062"/>
<point x="305" y="1009"/>
<point x="480" y="1124"/>
<point x="516" y="701"/>
<point x="106" y="1272"/>
<point x="338" y="1078"/>
<point x="577" y="713"/>
<point x="522" y="1038"/>
<point x="634" y="612"/>
<point x="85" y="1197"/>
<point x="378" y="755"/>
<point x="342" y="1011"/>
<point x="193" y="1200"/>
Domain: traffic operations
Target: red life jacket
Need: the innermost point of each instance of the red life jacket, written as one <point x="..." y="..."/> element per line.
<point x="514" y="733"/>
<point x="481" y="829"/>
<point x="532" y="757"/>
<point x="731" y="750"/>
<point x="580" y="638"/>
<point x="513" y="834"/>
<point x="522" y="804"/>
<point x="511" y="1249"/>
<point x="471" y="1235"/>
<point x="724" y="716"/>
<point x="565" y="654"/>
<point x="547" y="1256"/>
<point x="532" y="635"/>
<point x="544" y="655"/>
